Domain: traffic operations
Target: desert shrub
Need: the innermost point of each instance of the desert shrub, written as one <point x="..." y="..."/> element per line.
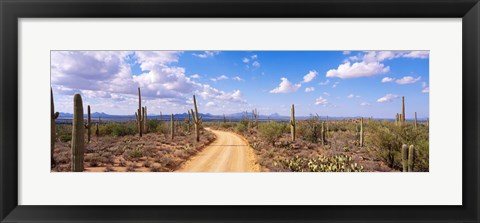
<point x="313" y="129"/>
<point x="152" y="125"/>
<point x="118" y="129"/>
<point x="271" y="131"/>
<point x="163" y="127"/>
<point x="64" y="132"/>
<point x="242" y="125"/>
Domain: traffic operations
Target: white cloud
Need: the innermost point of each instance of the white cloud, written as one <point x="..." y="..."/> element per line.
<point x="219" y="78"/>
<point x="335" y="85"/>
<point x="309" y="89"/>
<point x="407" y="80"/>
<point x="208" y="92"/>
<point x="321" y="101"/>
<point x="387" y="98"/>
<point x="417" y="54"/>
<point x="425" y="87"/>
<point x="365" y="104"/>
<point x="195" y="76"/>
<point x="326" y="94"/>
<point x="237" y="78"/>
<point x="286" y="87"/>
<point x="309" y="76"/>
<point x="245" y="60"/>
<point x="353" y="96"/>
<point x="256" y="64"/>
<point x="254" y="57"/>
<point x="346" y="52"/>
<point x="210" y="104"/>
<point x="206" y="54"/>
<point x="325" y="82"/>
<point x="358" y="69"/>
<point x="387" y="79"/>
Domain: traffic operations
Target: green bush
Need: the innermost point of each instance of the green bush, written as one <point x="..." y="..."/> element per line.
<point x="118" y="129"/>
<point x="271" y="131"/>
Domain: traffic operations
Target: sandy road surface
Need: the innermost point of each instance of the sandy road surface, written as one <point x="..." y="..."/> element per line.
<point x="228" y="153"/>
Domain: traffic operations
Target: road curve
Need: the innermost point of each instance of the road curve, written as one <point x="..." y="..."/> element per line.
<point x="228" y="153"/>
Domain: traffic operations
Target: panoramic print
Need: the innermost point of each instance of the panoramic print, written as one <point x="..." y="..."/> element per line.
<point x="239" y="111"/>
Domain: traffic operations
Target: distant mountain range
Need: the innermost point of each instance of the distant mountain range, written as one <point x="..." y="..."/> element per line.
<point x="205" y="116"/>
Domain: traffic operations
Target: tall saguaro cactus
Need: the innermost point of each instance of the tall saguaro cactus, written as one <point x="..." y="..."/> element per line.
<point x="138" y="115"/>
<point x="196" y="120"/>
<point x="255" y="117"/>
<point x="224" y="119"/>
<point x="403" y="111"/>
<point x="397" y="119"/>
<point x="78" y="135"/>
<point x="405" y="157"/>
<point x="415" y="122"/>
<point x="411" y="158"/>
<point x="292" y="122"/>
<point x="145" y="120"/>
<point x="53" y="116"/>
<point x="172" y="127"/>
<point x="323" y="134"/>
<point x="88" y="126"/>
<point x="361" y="132"/>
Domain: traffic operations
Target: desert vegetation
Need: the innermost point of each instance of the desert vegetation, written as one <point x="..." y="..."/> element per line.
<point x="318" y="144"/>
<point x="314" y="144"/>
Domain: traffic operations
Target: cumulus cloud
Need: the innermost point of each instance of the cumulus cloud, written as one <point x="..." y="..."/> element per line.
<point x="407" y="80"/>
<point x="387" y="79"/>
<point x="309" y="76"/>
<point x="309" y="89"/>
<point x="321" y="101"/>
<point x="206" y="54"/>
<point x="195" y="76"/>
<point x="108" y="75"/>
<point x="353" y="96"/>
<point x="425" y="87"/>
<point x="210" y="104"/>
<point x="255" y="64"/>
<point x="219" y="78"/>
<point x="245" y="60"/>
<point x="387" y="98"/>
<point x="237" y="78"/>
<point x="286" y="87"/>
<point x="358" y="69"/>
<point x="369" y="63"/>
<point x="325" y="82"/>
<point x="254" y="57"/>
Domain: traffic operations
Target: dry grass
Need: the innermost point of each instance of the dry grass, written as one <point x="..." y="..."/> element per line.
<point x="152" y="152"/>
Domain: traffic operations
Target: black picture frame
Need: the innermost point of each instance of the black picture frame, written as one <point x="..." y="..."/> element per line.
<point x="12" y="10"/>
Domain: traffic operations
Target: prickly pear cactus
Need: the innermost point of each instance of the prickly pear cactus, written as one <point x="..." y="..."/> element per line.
<point x="78" y="135"/>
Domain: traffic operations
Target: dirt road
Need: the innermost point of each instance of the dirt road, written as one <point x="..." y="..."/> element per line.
<point x="228" y="153"/>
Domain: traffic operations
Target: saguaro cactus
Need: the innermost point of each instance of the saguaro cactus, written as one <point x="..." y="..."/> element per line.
<point x="196" y="120"/>
<point x="145" y="120"/>
<point x="255" y="117"/>
<point x="361" y="132"/>
<point x="403" y="111"/>
<point x="292" y="122"/>
<point x="411" y="158"/>
<point x="405" y="157"/>
<point x="88" y="126"/>
<point x="187" y="121"/>
<point x="53" y="134"/>
<point x="172" y="127"/>
<point x="138" y="114"/>
<point x="224" y="119"/>
<point x="78" y="135"/>
<point x="323" y="134"/>
<point x="396" y="119"/>
<point x="415" y="122"/>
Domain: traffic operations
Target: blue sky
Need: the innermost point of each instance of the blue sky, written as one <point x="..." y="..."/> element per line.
<point x="333" y="83"/>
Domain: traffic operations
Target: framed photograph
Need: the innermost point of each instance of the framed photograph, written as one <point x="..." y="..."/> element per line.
<point x="265" y="111"/>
